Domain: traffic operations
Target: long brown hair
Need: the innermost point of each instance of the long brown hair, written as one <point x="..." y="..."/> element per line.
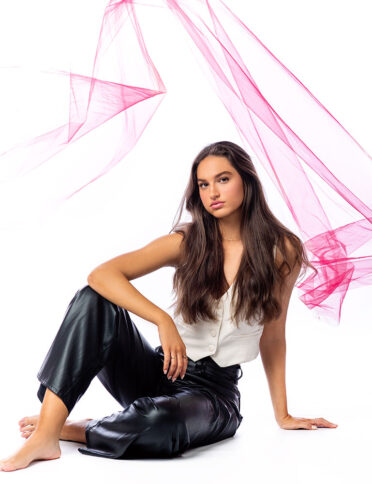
<point x="199" y="277"/>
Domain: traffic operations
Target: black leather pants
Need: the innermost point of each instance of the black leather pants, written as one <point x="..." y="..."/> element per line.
<point x="160" y="418"/>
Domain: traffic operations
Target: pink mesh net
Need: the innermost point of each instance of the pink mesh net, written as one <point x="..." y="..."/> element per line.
<point x="322" y="173"/>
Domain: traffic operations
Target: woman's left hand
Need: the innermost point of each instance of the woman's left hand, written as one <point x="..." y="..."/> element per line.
<point x="290" y="423"/>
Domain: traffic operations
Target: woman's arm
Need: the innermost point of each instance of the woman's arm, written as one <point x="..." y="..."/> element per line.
<point x="273" y="355"/>
<point x="111" y="278"/>
<point x="273" y="347"/>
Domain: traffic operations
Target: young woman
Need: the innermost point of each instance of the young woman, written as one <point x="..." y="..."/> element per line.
<point x="235" y="268"/>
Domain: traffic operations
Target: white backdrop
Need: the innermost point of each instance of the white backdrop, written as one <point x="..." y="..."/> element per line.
<point x="327" y="46"/>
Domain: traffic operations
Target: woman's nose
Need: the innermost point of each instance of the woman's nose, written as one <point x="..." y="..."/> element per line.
<point x="213" y="192"/>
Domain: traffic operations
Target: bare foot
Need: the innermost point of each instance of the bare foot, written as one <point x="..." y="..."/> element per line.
<point x="35" y="448"/>
<point x="72" y="430"/>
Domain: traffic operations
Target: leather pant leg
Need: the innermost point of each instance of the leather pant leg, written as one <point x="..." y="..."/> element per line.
<point x="99" y="338"/>
<point x="160" y="418"/>
<point x="201" y="409"/>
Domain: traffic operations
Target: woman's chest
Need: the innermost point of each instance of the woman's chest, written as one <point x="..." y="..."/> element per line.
<point x="232" y="259"/>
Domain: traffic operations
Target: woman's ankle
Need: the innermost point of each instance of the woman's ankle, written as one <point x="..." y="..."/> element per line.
<point x="75" y="431"/>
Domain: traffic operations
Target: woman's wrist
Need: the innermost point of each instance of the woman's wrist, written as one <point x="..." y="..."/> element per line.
<point x="280" y="419"/>
<point x="164" y="320"/>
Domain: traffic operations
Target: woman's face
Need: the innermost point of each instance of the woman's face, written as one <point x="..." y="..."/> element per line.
<point x="219" y="181"/>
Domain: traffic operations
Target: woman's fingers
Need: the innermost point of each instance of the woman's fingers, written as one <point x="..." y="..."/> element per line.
<point x="314" y="423"/>
<point x="174" y="349"/>
<point x="289" y="422"/>
<point x="173" y="365"/>
<point x="181" y="365"/>
<point x="178" y="364"/>
<point x="166" y="361"/>
<point x="184" y="364"/>
<point x="322" y="422"/>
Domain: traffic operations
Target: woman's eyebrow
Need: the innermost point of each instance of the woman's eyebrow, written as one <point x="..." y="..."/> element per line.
<point x="218" y="174"/>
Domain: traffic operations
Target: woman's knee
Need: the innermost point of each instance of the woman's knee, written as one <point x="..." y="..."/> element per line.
<point x="88" y="310"/>
<point x="88" y="292"/>
<point x="88" y="295"/>
<point x="86" y="298"/>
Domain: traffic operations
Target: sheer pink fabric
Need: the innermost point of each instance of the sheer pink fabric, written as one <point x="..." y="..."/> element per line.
<point x="322" y="173"/>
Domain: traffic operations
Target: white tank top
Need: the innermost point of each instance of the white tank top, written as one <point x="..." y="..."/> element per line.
<point x="223" y="341"/>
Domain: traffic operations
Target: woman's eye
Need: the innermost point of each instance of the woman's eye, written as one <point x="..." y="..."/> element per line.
<point x="223" y="178"/>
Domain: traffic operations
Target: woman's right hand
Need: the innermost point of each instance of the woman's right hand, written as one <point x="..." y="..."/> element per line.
<point x="172" y="345"/>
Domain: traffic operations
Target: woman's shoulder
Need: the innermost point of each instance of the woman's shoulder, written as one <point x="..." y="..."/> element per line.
<point x="285" y="252"/>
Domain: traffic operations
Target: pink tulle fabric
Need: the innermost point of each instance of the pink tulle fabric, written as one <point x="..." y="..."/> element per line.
<point x="322" y="173"/>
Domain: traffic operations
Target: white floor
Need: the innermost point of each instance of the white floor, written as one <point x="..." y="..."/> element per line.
<point x="260" y="451"/>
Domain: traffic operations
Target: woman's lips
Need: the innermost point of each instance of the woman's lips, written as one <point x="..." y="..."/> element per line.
<point x="218" y="205"/>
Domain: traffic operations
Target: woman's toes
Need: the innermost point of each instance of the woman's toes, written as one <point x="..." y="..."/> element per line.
<point x="28" y="419"/>
<point x="27" y="430"/>
<point x="28" y="422"/>
<point x="23" y="422"/>
<point x="26" y="434"/>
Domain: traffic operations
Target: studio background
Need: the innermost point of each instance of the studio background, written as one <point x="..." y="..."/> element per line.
<point x="44" y="262"/>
